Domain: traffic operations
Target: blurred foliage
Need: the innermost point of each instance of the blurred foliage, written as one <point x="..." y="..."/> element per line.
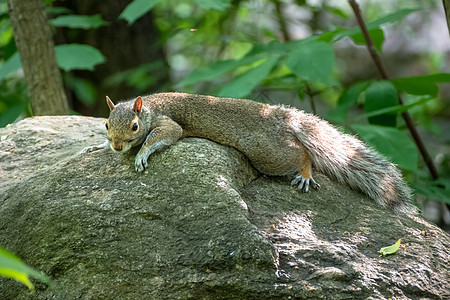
<point x="13" y="100"/>
<point x="12" y="267"/>
<point x="74" y="21"/>
<point x="251" y="49"/>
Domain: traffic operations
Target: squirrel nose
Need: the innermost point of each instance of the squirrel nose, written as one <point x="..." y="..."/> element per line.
<point x="118" y="147"/>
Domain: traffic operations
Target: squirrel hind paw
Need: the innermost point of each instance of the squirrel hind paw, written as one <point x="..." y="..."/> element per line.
<point x="303" y="183"/>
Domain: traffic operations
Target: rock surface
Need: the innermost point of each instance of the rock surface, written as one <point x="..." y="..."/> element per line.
<point x="200" y="223"/>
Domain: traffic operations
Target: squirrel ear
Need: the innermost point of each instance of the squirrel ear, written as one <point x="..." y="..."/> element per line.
<point x="110" y="103"/>
<point x="137" y="105"/>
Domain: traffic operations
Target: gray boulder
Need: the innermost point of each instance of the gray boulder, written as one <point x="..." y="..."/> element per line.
<point x="200" y="223"/>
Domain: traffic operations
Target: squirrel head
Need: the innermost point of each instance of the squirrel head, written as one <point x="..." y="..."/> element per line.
<point x="124" y="127"/>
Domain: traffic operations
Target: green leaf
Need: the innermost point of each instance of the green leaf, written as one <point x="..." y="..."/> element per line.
<point x="398" y="15"/>
<point x="69" y="57"/>
<point x="7" y="43"/>
<point x="376" y="34"/>
<point x="57" y="10"/>
<point x="140" y="77"/>
<point x="17" y="276"/>
<point x="396" y="108"/>
<point x="79" y="21"/>
<point x="380" y="95"/>
<point x="433" y="192"/>
<point x="243" y="84"/>
<point x="391" y="18"/>
<point x="421" y="85"/>
<point x="390" y="249"/>
<point x="12" y="267"/>
<point x="392" y="143"/>
<point x="337" y="11"/>
<point x="351" y="95"/>
<point x="348" y="98"/>
<point x="273" y="47"/>
<point x="85" y="90"/>
<point x="216" y="70"/>
<point x="312" y="61"/>
<point x="428" y="122"/>
<point x="12" y="112"/>
<point x="78" y="57"/>
<point x="137" y="9"/>
<point x="214" y="4"/>
<point x="11" y="65"/>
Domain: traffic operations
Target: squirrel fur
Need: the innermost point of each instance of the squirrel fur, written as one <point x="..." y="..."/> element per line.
<point x="278" y="140"/>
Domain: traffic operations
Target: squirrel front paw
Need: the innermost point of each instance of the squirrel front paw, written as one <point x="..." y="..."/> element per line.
<point x="304" y="183"/>
<point x="141" y="162"/>
<point x="95" y="148"/>
<point x="88" y="150"/>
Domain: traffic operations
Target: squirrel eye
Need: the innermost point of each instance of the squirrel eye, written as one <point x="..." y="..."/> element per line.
<point x="106" y="125"/>
<point x="135" y="126"/>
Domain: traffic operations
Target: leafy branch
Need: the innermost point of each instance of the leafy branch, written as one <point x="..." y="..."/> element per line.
<point x="380" y="66"/>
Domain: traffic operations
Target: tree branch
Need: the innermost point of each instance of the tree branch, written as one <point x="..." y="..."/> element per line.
<point x="408" y="120"/>
<point x="281" y="21"/>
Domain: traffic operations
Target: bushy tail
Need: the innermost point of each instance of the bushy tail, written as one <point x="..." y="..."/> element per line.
<point x="348" y="160"/>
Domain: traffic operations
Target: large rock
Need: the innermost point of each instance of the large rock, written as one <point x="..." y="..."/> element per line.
<point x="200" y="223"/>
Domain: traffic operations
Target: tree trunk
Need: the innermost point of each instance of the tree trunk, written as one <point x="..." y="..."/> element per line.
<point x="35" y="44"/>
<point x="124" y="46"/>
<point x="446" y="4"/>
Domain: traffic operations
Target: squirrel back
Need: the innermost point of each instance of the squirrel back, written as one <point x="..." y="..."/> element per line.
<point x="278" y="140"/>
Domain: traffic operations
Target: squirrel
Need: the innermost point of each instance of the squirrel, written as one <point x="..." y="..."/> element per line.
<point x="278" y="140"/>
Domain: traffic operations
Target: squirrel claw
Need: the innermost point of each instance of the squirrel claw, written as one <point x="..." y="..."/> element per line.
<point x="87" y="150"/>
<point x="95" y="148"/>
<point x="304" y="183"/>
<point x="141" y="163"/>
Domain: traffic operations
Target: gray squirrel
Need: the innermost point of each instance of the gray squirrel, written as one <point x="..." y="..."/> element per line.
<point x="278" y="141"/>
